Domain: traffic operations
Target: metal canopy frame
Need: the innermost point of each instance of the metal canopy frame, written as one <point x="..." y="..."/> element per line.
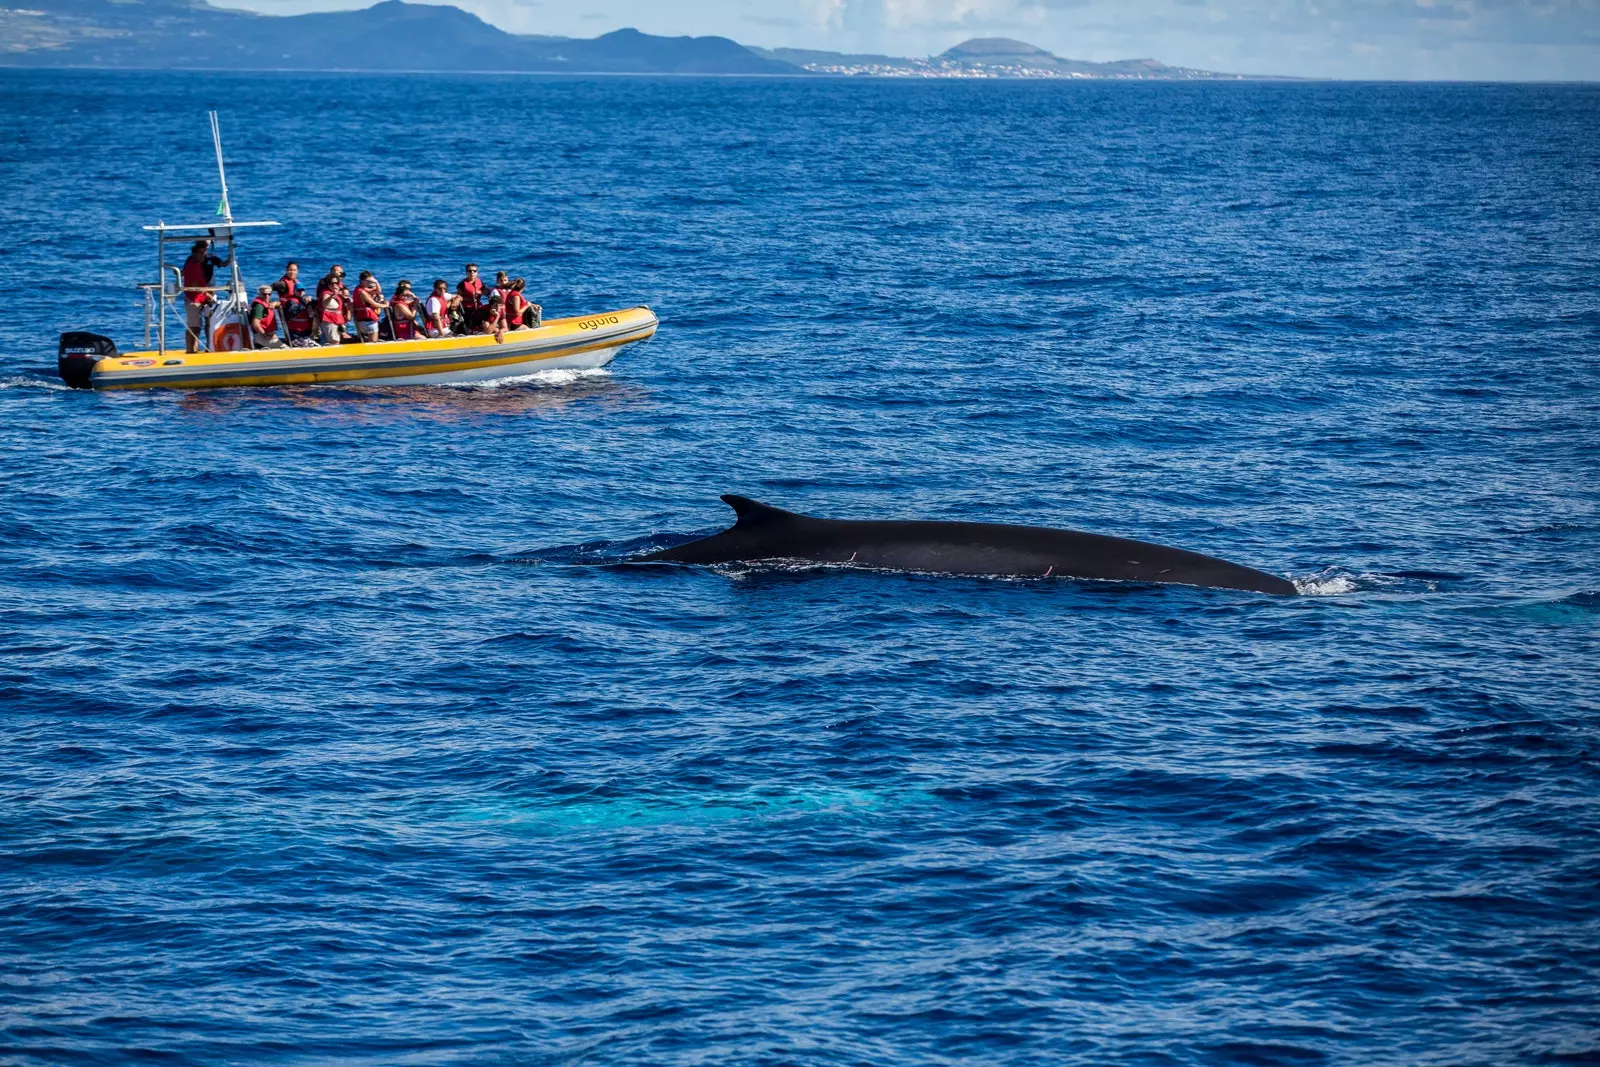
<point x="213" y="231"/>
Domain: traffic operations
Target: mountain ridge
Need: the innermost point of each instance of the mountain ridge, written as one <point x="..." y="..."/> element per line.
<point x="392" y="35"/>
<point x="399" y="36"/>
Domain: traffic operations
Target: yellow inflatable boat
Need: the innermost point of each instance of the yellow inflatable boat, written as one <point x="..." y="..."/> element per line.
<point x="92" y="361"/>
<point x="89" y="360"/>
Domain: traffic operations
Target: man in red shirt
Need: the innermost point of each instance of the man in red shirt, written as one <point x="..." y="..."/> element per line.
<point x="198" y="270"/>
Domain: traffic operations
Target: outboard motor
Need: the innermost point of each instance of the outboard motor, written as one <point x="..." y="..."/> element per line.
<point x="79" y="353"/>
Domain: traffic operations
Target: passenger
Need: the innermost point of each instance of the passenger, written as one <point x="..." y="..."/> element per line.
<point x="330" y="305"/>
<point x="298" y="321"/>
<point x="290" y="282"/>
<point x="436" y="309"/>
<point x="530" y="314"/>
<point x="370" y="306"/>
<point x="198" y="270"/>
<point x="264" y="318"/>
<point x="333" y="282"/>
<point x="516" y="307"/>
<point x="470" y="290"/>
<point x="494" y="319"/>
<point x="502" y="285"/>
<point x="403" y="312"/>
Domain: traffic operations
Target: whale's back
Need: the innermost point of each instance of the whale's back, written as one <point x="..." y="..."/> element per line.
<point x="978" y="548"/>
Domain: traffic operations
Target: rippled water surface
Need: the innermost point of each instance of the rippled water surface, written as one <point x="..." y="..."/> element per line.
<point x="334" y="730"/>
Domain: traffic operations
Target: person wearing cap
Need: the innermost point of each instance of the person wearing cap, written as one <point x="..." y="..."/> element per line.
<point x="264" y="318"/>
<point x="299" y="318"/>
<point x="198" y="270"/>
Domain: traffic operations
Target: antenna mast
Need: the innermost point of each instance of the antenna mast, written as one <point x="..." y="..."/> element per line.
<point x="236" y="290"/>
<point x="222" y="175"/>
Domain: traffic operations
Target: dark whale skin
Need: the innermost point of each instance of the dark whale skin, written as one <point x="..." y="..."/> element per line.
<point x="976" y="548"/>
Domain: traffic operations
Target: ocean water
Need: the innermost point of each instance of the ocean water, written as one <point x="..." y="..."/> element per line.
<point x="337" y="731"/>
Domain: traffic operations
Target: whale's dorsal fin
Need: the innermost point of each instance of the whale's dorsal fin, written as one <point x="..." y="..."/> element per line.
<point x="753" y="512"/>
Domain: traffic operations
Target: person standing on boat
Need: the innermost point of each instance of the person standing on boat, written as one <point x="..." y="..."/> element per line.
<point x="471" y="291"/>
<point x="370" y="306"/>
<point x="333" y="283"/>
<point x="436" y="309"/>
<point x="264" y="318"/>
<point x="403" y="312"/>
<point x="198" y="270"/>
<point x="330" y="308"/>
<point x="330" y="280"/>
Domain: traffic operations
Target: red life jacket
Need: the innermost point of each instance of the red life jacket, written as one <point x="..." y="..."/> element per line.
<point x="328" y="285"/>
<point x="334" y="314"/>
<point x="471" y="291"/>
<point x="298" y="315"/>
<point x="290" y="288"/>
<point x="516" y="304"/>
<point x="269" y="320"/>
<point x="196" y="275"/>
<point x="405" y="327"/>
<point x="365" y="311"/>
<point x="503" y="293"/>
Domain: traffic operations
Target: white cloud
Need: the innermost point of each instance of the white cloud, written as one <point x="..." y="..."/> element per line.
<point x="825" y="15"/>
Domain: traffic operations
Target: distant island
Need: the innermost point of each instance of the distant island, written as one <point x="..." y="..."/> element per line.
<point x="396" y="36"/>
<point x="982" y="57"/>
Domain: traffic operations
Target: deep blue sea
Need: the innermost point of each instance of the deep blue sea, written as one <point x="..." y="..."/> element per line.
<point x="336" y="731"/>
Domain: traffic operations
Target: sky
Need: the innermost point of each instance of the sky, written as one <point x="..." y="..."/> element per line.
<point x="1443" y="39"/>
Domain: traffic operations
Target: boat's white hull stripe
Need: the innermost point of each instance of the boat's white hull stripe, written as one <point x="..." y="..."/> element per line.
<point x="577" y="361"/>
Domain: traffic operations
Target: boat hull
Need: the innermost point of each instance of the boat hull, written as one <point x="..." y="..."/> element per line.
<point x="578" y="343"/>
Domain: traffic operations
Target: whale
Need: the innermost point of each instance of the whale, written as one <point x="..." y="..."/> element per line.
<point x="762" y="532"/>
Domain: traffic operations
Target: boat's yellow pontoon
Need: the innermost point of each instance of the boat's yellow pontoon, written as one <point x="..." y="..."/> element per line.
<point x="558" y="344"/>
<point x="231" y="358"/>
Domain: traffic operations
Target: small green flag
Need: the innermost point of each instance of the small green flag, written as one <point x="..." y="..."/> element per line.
<point x="219" y="206"/>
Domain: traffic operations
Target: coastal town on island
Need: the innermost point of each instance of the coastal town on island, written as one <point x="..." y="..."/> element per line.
<point x="983" y="57"/>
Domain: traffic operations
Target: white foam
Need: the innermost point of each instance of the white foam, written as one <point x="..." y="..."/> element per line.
<point x="545" y="379"/>
<point x="22" y="381"/>
<point x="1326" y="585"/>
<point x="1332" y="582"/>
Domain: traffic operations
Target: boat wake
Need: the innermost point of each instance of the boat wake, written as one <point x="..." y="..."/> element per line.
<point x="28" y="381"/>
<point x="542" y="379"/>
